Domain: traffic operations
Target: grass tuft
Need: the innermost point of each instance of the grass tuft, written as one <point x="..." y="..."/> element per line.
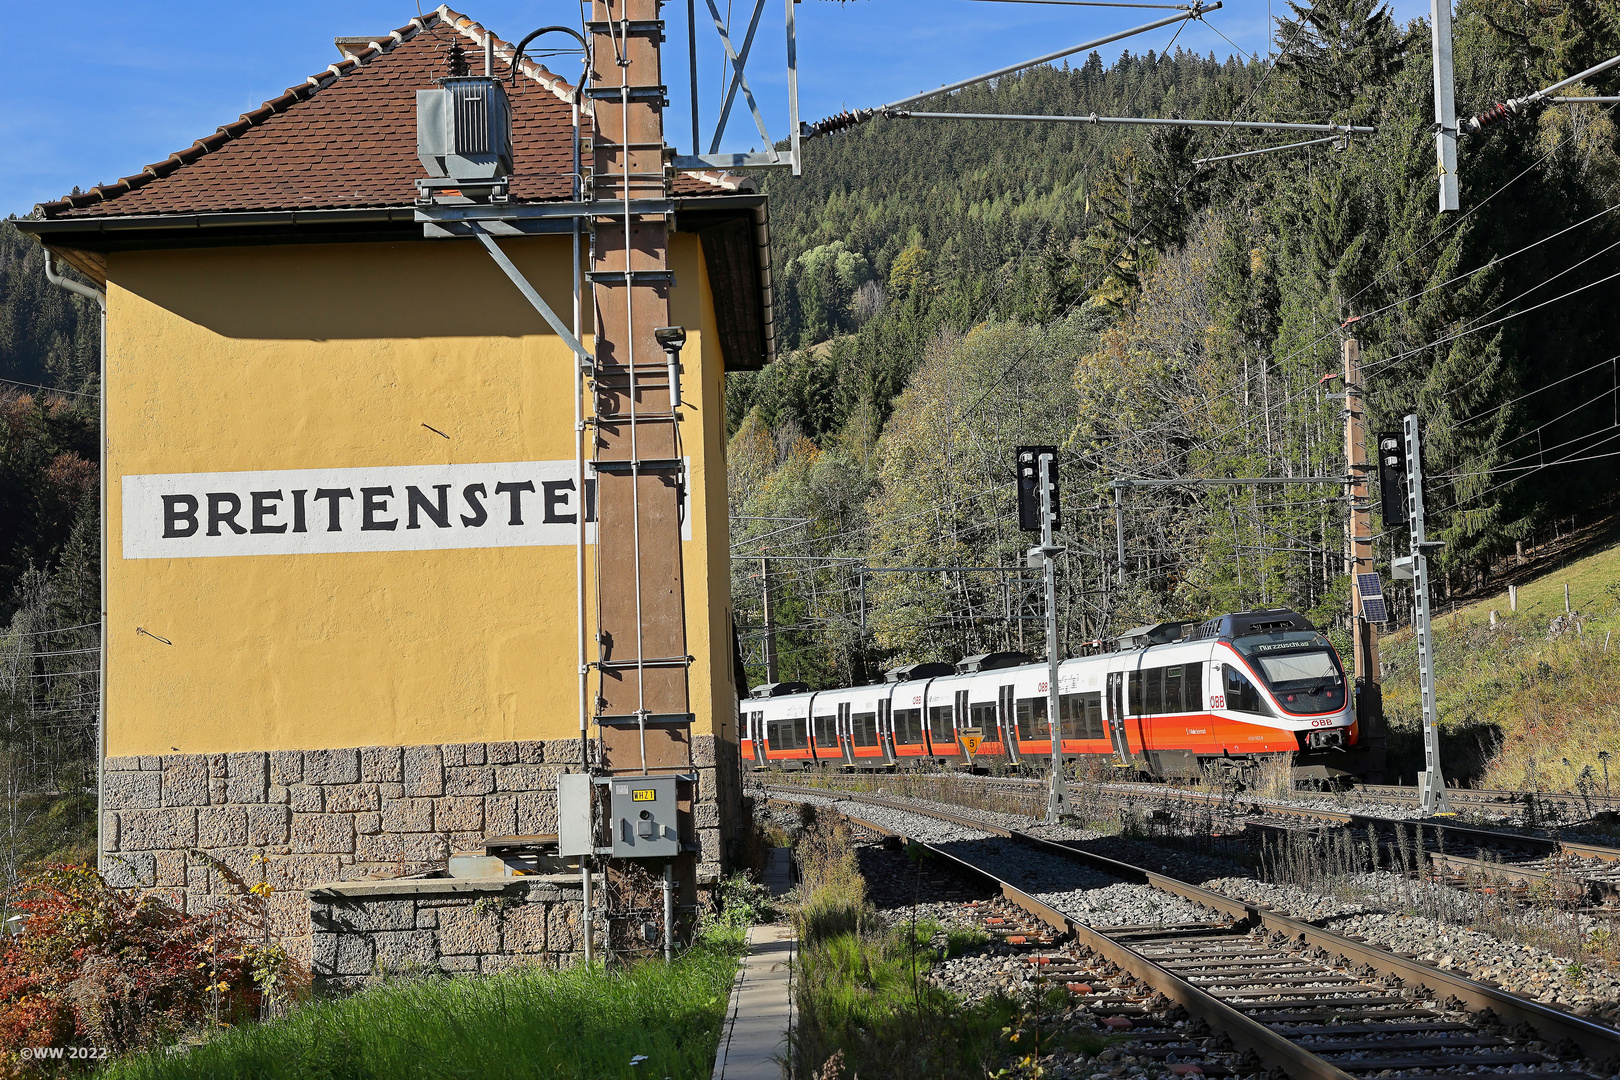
<point x="579" y="1024"/>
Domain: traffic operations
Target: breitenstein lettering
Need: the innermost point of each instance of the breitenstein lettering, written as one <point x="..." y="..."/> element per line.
<point x="361" y="509"/>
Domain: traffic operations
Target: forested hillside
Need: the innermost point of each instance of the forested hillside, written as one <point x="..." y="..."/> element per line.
<point x="952" y="288"/>
<point x="49" y="529"/>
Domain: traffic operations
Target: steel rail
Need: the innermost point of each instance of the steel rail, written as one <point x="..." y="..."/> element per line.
<point x="1273" y="1049"/>
<point x="1490" y="796"/>
<point x="1595" y="1040"/>
<point x="1471" y="833"/>
<point x="1570" y="887"/>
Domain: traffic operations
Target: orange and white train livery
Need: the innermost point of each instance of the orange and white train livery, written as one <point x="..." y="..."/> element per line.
<point x="1172" y="700"/>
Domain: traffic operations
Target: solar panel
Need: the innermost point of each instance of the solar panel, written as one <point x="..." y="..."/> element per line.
<point x="1372" y="598"/>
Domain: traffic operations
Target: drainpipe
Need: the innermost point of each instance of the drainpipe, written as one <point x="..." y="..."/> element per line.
<point x="100" y="298"/>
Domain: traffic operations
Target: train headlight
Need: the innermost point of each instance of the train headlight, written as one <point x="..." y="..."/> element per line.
<point x="1317" y="740"/>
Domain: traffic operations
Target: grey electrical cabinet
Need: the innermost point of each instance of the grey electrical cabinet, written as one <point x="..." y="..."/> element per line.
<point x="574" y="833"/>
<point x="643" y="814"/>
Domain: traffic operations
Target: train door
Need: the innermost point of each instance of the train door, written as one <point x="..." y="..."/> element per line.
<point x="846" y="724"/>
<point x="961" y="716"/>
<point x="886" y="727"/>
<point x="1006" y="715"/>
<point x="1116" y="718"/>
<point x="756" y="736"/>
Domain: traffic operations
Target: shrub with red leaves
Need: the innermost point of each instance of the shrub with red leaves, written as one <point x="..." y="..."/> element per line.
<point x="98" y="968"/>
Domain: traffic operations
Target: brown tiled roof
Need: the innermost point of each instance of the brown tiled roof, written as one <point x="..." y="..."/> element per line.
<point x="346" y="137"/>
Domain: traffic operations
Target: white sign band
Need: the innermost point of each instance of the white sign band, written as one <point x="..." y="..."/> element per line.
<point x="384" y="508"/>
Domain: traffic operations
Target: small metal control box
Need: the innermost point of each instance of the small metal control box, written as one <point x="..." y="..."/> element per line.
<point x="575" y="835"/>
<point x="642" y="810"/>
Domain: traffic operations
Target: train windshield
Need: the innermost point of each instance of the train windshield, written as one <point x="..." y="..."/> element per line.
<point x="1300" y="670"/>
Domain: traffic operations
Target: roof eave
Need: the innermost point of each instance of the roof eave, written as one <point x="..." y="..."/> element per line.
<point x="246" y="219"/>
<point x="139" y="230"/>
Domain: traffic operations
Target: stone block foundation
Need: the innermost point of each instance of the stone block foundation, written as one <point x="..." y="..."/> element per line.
<point x="365" y="931"/>
<point x="196" y="828"/>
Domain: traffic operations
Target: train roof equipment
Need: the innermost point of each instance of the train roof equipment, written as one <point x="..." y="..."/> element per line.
<point x="991" y="661"/>
<point x="923" y="669"/>
<point x="1140" y="637"/>
<point x="1262" y="621"/>
<point x="778" y="689"/>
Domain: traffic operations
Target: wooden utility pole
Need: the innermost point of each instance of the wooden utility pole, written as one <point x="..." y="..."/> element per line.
<point x="1369" y="694"/>
<point x="770" y="623"/>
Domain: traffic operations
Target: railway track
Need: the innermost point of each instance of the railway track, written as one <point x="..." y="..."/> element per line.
<point x="1573" y="804"/>
<point x="1584" y="873"/>
<point x="1301" y="999"/>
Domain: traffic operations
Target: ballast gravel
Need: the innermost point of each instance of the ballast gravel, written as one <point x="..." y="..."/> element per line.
<point x="1082" y="894"/>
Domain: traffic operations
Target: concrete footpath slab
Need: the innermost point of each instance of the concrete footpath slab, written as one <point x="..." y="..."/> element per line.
<point x="754" y="1040"/>
<point x="760" y="1018"/>
<point x="779" y="870"/>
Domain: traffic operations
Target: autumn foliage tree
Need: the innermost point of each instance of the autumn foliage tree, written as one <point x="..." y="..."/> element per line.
<point x="98" y="967"/>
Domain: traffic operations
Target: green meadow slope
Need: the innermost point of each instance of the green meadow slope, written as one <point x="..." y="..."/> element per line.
<point x="1520" y="705"/>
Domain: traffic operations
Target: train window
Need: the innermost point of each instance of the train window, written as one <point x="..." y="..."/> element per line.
<point x="1032" y="719"/>
<point x="1241" y="696"/>
<point x="908" y="726"/>
<point x="1133" y="704"/>
<point x="826" y="728"/>
<point x="982" y="715"/>
<point x="1093" y="715"/>
<point x="801" y="734"/>
<point x="1153" y="692"/>
<point x="1192" y="688"/>
<point x="863" y="727"/>
<point x="1175" y="682"/>
<point x="940" y="728"/>
<point x="1071" y="715"/>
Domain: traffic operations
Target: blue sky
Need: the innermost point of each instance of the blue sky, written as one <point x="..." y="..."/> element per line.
<point x="121" y="85"/>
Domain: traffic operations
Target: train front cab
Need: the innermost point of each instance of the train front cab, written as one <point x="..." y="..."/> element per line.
<point x="1251" y="687"/>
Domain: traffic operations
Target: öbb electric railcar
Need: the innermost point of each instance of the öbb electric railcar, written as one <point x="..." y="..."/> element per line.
<point x="1174" y="700"/>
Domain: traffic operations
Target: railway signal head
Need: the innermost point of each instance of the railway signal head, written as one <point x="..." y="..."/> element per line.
<point x="1029" y="487"/>
<point x="1392" y="477"/>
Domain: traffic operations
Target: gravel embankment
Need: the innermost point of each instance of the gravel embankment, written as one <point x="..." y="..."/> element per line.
<point x="1084" y="895"/>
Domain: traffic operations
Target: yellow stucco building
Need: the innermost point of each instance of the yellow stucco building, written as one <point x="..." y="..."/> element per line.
<point x="341" y="488"/>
